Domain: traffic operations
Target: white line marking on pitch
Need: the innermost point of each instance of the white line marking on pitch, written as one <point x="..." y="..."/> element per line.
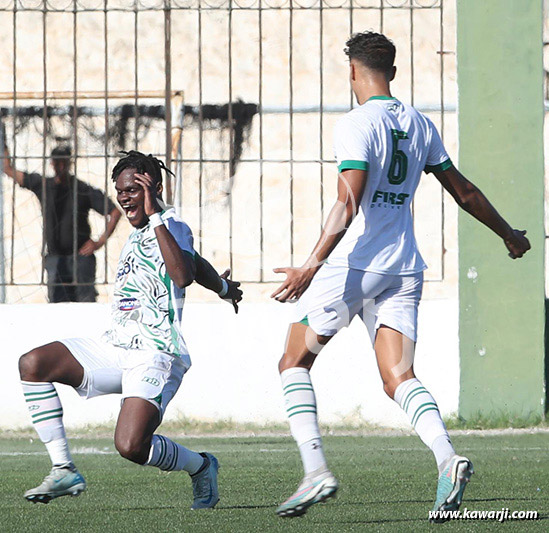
<point x="96" y="451"/>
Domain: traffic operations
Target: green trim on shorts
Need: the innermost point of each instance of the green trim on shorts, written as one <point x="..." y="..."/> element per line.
<point x="158" y="399"/>
<point x="304" y="321"/>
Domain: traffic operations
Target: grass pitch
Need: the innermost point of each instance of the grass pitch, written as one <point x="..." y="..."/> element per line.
<point x="387" y="483"/>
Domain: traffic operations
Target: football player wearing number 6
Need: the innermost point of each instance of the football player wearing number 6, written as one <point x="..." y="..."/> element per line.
<point x="366" y="263"/>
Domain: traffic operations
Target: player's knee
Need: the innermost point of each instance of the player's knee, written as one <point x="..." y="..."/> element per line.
<point x="289" y="361"/>
<point x="389" y="386"/>
<point x="31" y="368"/>
<point x="132" y="449"/>
<point x="283" y="364"/>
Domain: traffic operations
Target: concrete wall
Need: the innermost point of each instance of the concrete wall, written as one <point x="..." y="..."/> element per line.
<point x="234" y="373"/>
<point x="502" y="315"/>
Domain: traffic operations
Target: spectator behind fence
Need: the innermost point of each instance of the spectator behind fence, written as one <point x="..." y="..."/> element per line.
<point x="58" y="213"/>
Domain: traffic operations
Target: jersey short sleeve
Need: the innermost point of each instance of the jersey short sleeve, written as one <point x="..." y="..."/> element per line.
<point x="352" y="145"/>
<point x="437" y="158"/>
<point x="182" y="234"/>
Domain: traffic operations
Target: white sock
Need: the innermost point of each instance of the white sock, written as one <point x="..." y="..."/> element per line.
<point x="299" y="397"/>
<point x="424" y="416"/>
<point x="168" y="455"/>
<point x="47" y="418"/>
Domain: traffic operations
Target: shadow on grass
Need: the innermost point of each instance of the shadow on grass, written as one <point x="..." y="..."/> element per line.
<point x="223" y="507"/>
<point x="381" y="521"/>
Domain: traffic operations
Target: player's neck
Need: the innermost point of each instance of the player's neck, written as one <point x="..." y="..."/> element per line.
<point x="371" y="86"/>
<point x="364" y="93"/>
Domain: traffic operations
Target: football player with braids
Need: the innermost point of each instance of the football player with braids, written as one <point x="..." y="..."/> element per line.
<point x="142" y="356"/>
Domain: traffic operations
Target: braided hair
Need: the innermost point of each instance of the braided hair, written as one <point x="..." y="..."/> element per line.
<point x="142" y="163"/>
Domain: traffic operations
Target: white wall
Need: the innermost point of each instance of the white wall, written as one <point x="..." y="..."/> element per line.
<point x="234" y="373"/>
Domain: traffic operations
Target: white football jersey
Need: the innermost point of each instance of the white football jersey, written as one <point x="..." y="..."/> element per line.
<point x="395" y="143"/>
<point x="147" y="305"/>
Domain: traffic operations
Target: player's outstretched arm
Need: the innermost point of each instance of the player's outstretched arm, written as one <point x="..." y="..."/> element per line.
<point x="469" y="197"/>
<point x="350" y="188"/>
<point x="179" y="265"/>
<point x="207" y="276"/>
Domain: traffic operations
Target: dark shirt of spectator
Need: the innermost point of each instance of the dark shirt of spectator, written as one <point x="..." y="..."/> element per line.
<point x="58" y="210"/>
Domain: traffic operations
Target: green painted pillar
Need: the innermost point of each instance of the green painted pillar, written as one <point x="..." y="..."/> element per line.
<point x="502" y="307"/>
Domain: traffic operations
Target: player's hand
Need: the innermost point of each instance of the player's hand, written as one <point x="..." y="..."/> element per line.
<point x="517" y="244"/>
<point x="234" y="294"/>
<point x="296" y="283"/>
<point x="89" y="247"/>
<point x="151" y="198"/>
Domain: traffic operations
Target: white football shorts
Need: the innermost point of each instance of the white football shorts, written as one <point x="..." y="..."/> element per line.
<point x="108" y="369"/>
<point x="337" y="294"/>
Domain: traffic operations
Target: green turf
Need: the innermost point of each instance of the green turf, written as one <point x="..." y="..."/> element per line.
<point x="387" y="484"/>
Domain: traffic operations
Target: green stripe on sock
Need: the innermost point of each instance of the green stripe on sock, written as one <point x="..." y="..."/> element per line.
<point x="59" y="410"/>
<point x="301" y="405"/>
<point x="162" y="449"/>
<point x="418" y="414"/>
<point x="41" y="398"/>
<point x="36" y="393"/>
<point x="299" y="388"/>
<point x="300" y="412"/>
<point x="47" y="418"/>
<point x="411" y="395"/>
<point x="174" y="459"/>
<point x="296" y="384"/>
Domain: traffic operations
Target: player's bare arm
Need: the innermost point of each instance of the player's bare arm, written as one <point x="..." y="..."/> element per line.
<point x="350" y="188"/>
<point x="180" y="266"/>
<point x="207" y="276"/>
<point x="469" y="197"/>
<point x="90" y="246"/>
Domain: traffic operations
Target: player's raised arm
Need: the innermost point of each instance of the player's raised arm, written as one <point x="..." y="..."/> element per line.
<point x="207" y="276"/>
<point x="469" y="197"/>
<point x="350" y="188"/>
<point x="180" y="266"/>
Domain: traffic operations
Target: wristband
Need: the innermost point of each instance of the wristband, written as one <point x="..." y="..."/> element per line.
<point x="155" y="220"/>
<point x="225" y="289"/>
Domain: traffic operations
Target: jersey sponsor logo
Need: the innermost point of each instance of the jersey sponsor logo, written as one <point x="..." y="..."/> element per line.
<point x="128" y="304"/>
<point x="34" y="407"/>
<point x="385" y="198"/>
<point x="151" y="381"/>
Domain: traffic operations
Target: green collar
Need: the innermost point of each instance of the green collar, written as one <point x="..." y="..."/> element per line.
<point x="381" y="97"/>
